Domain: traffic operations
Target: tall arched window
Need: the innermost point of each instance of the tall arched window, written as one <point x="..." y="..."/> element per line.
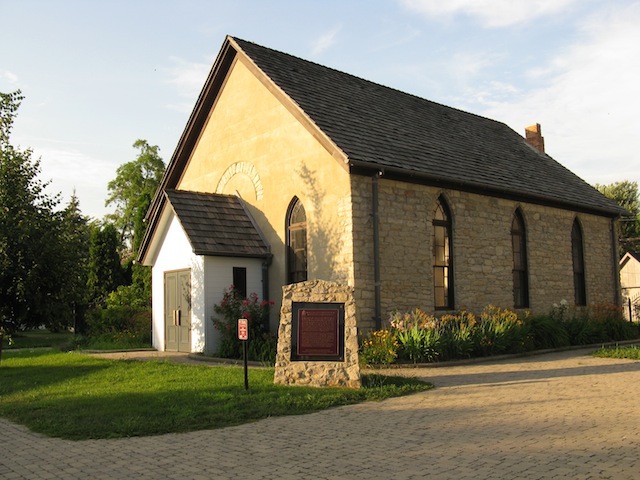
<point x="520" y="271"/>
<point x="296" y="242"/>
<point x="577" y="251"/>
<point x="442" y="256"/>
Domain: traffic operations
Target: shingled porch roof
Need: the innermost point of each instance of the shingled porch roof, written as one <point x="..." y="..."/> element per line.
<point x="217" y="225"/>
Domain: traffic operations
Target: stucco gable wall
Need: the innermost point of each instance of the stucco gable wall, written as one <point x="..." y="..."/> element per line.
<point x="481" y="247"/>
<point x="254" y="145"/>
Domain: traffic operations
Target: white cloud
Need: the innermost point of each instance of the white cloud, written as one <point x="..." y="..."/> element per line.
<point x="70" y="170"/>
<point x="470" y="63"/>
<point x="325" y="41"/>
<point x="9" y="77"/>
<point x="491" y="13"/>
<point x="586" y="99"/>
<point x="187" y="77"/>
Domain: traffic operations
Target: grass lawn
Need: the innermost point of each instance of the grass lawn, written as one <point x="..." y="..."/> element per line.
<point x="38" y="338"/>
<point x="630" y="351"/>
<point x="76" y="396"/>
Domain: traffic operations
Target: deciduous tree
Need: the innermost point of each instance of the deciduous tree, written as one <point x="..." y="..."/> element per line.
<point x="132" y="190"/>
<point x="40" y="246"/>
<point x="625" y="193"/>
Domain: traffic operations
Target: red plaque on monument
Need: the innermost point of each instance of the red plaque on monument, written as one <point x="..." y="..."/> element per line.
<point x="318" y="332"/>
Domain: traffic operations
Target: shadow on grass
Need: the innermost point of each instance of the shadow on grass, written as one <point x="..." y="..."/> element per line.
<point x="131" y="414"/>
<point x="22" y="371"/>
<point x="76" y="397"/>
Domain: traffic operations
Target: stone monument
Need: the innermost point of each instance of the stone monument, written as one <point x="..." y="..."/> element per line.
<point x="317" y="337"/>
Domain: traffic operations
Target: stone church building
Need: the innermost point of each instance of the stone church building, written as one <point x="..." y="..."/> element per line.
<point x="290" y="171"/>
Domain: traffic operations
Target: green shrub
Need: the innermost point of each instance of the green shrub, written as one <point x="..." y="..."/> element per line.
<point x="611" y="323"/>
<point x="379" y="347"/>
<point x="620" y="329"/>
<point x="126" y="326"/>
<point x="263" y="349"/>
<point x="582" y="330"/>
<point x="418" y="344"/>
<point x="419" y="337"/>
<point x="234" y="306"/>
<point x="457" y="335"/>
<point x="546" y="332"/>
<point x="595" y="324"/>
<point x="500" y="331"/>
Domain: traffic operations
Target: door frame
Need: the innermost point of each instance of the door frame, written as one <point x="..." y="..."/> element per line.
<point x="178" y="322"/>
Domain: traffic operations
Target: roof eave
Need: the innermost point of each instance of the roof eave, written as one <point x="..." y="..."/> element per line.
<point x="358" y="167"/>
<point x="227" y="253"/>
<point x="188" y="139"/>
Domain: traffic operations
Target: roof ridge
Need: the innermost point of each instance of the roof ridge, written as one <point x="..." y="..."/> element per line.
<point x="362" y="79"/>
<point x="383" y="128"/>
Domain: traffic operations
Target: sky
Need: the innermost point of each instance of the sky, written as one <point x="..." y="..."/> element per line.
<point x="97" y="75"/>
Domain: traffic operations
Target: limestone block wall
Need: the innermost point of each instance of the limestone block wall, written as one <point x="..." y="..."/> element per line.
<point x="482" y="250"/>
<point x="362" y="239"/>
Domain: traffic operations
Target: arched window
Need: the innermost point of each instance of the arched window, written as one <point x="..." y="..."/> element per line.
<point x="442" y="256"/>
<point x="520" y="271"/>
<point x="577" y="250"/>
<point x="296" y="242"/>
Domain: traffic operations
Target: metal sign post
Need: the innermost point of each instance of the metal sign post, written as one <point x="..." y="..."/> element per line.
<point x="243" y="335"/>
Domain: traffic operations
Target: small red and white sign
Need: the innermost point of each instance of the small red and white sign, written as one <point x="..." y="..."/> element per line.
<point x="243" y="329"/>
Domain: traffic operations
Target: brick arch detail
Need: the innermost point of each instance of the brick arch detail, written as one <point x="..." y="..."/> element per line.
<point x="242" y="168"/>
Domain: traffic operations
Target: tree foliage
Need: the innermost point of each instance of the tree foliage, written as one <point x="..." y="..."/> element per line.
<point x="626" y="194"/>
<point x="132" y="190"/>
<point x="40" y="247"/>
<point x="105" y="272"/>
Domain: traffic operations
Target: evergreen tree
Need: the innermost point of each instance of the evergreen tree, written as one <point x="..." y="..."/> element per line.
<point x="75" y="237"/>
<point x="105" y="273"/>
<point x="30" y="266"/>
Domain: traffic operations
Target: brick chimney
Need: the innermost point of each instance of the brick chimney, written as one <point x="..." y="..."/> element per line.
<point x="533" y="135"/>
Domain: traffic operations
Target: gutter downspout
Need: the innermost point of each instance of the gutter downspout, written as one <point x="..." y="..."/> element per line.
<point x="617" y="299"/>
<point x="376" y="250"/>
<point x="266" y="262"/>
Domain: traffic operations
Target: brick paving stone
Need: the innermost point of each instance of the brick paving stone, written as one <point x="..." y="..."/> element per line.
<point x="558" y="415"/>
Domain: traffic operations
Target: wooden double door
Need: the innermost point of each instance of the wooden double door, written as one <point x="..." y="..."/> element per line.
<point x="177" y="311"/>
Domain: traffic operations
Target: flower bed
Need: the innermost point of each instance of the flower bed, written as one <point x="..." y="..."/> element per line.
<point x="419" y="337"/>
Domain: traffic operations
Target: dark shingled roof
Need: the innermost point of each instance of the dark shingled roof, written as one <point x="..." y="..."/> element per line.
<point x="386" y="129"/>
<point x="217" y="224"/>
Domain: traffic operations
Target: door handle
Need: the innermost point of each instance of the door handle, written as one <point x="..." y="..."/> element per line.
<point x="179" y="317"/>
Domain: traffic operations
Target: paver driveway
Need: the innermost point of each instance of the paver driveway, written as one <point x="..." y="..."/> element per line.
<point x="558" y="415"/>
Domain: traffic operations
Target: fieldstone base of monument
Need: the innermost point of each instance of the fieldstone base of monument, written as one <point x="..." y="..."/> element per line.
<point x="317" y="337"/>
